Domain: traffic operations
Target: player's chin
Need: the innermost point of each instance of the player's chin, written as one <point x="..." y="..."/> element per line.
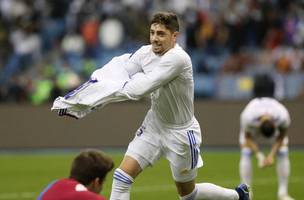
<point x="157" y="49"/>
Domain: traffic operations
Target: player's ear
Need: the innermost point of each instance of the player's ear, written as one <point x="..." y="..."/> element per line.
<point x="98" y="182"/>
<point x="175" y="34"/>
<point x="95" y="185"/>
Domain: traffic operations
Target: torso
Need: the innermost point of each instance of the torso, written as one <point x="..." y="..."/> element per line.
<point x="261" y="106"/>
<point x="68" y="189"/>
<point x="173" y="102"/>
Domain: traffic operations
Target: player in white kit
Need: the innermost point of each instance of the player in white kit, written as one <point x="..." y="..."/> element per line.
<point x="164" y="71"/>
<point x="265" y="117"/>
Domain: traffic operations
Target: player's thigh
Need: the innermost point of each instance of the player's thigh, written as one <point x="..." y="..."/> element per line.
<point x="145" y="148"/>
<point x="182" y="149"/>
<point x="181" y="174"/>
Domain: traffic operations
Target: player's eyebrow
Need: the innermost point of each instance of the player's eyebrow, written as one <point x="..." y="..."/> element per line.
<point x="155" y="30"/>
<point x="158" y="32"/>
<point x="162" y="32"/>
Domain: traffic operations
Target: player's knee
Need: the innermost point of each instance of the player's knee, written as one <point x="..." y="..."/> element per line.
<point x="246" y="152"/>
<point x="283" y="152"/>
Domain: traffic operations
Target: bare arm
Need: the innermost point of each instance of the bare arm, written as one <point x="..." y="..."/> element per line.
<point x="275" y="147"/>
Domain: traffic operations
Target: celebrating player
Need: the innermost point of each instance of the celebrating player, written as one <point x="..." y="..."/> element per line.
<point x="86" y="179"/>
<point x="169" y="128"/>
<point x="266" y="117"/>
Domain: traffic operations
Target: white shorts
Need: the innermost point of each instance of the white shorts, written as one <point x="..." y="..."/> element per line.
<point x="180" y="146"/>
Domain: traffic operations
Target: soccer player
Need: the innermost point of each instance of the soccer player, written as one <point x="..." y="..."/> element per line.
<point x="265" y="117"/>
<point x="169" y="128"/>
<point x="86" y="179"/>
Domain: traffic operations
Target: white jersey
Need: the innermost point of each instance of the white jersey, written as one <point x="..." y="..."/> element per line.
<point x="263" y="106"/>
<point x="169" y="81"/>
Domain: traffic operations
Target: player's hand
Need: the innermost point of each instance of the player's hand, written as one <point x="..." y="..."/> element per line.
<point x="261" y="159"/>
<point x="268" y="161"/>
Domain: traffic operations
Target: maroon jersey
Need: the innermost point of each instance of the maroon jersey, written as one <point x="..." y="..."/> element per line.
<point x="68" y="189"/>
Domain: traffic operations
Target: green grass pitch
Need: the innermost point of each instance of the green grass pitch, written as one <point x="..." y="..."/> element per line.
<point x="24" y="175"/>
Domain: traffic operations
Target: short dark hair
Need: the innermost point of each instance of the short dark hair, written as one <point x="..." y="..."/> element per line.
<point x="264" y="86"/>
<point x="267" y="128"/>
<point x="168" y="19"/>
<point x="91" y="164"/>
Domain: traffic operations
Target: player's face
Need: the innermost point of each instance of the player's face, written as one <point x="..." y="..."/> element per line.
<point x="161" y="38"/>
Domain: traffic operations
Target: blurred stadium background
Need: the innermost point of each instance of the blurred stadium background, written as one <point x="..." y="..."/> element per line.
<point x="48" y="47"/>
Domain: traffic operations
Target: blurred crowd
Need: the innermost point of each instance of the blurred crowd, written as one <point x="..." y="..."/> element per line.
<point x="48" y="47"/>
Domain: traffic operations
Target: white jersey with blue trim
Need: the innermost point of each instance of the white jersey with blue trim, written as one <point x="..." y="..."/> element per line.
<point x="168" y="79"/>
<point x="263" y="106"/>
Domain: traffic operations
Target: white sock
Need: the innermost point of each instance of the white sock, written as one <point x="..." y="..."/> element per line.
<point x="121" y="185"/>
<point x="246" y="166"/>
<point x="283" y="171"/>
<point x="209" y="191"/>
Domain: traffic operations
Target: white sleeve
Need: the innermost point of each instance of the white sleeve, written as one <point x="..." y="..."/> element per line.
<point x="247" y="119"/>
<point x="133" y="65"/>
<point x="170" y="66"/>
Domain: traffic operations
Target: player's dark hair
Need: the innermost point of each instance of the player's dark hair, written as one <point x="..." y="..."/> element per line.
<point x="264" y="86"/>
<point x="89" y="165"/>
<point x="168" y="19"/>
<point x="267" y="128"/>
